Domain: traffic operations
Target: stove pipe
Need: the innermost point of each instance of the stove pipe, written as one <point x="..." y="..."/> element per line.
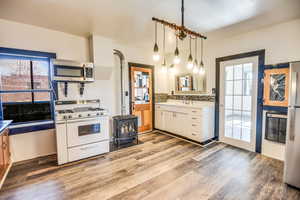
<point x="121" y="57"/>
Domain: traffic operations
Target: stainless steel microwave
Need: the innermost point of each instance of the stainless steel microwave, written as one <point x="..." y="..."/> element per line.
<point x="72" y="71"/>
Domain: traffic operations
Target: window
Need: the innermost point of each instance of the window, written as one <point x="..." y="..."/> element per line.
<point x="25" y="86"/>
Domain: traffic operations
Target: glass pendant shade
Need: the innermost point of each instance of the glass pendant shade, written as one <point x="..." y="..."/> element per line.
<point x="190" y="62"/>
<point x="176" y="60"/>
<point x="164" y="68"/>
<point x="201" y="69"/>
<point x="156" y="55"/>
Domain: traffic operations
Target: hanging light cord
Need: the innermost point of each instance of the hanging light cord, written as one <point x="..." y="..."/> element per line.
<point x="201" y="50"/>
<point x="190" y="45"/>
<point x="155" y="32"/>
<point x="164" y="44"/>
<point x="196" y="52"/>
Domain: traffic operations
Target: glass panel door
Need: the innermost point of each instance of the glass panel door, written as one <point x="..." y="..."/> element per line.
<point x="238" y="102"/>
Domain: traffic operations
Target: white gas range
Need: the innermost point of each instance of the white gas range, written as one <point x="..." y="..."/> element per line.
<point x="82" y="130"/>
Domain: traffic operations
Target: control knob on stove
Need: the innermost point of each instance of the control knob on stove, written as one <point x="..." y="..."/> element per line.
<point x="79" y="115"/>
<point x="65" y="117"/>
<point x="88" y="115"/>
<point x="70" y="116"/>
<point x="98" y="114"/>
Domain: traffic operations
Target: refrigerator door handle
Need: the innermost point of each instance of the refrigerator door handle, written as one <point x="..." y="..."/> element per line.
<point x="294" y="80"/>
<point x="292" y="124"/>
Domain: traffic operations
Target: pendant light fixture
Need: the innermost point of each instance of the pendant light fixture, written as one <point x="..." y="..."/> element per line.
<point x="156" y="56"/>
<point x="201" y="70"/>
<point x="164" y="64"/>
<point x="181" y="32"/>
<point x="190" y="58"/>
<point x="176" y="60"/>
<point x="196" y="67"/>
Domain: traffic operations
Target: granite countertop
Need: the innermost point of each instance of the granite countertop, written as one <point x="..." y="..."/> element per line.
<point x="4" y="124"/>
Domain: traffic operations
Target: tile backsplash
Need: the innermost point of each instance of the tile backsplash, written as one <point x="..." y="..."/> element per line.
<point x="163" y="97"/>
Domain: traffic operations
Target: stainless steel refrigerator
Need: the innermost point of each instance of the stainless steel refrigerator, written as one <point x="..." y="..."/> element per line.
<point x="292" y="154"/>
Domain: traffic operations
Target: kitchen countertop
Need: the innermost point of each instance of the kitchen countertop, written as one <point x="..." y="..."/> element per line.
<point x="194" y="105"/>
<point x="4" y="124"/>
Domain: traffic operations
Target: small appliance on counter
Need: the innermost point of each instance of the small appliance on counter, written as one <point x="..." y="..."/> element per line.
<point x="82" y="130"/>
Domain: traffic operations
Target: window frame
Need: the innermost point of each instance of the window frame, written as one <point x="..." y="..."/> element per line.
<point x="24" y="127"/>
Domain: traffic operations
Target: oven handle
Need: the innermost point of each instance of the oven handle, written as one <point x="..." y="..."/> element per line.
<point x="82" y="120"/>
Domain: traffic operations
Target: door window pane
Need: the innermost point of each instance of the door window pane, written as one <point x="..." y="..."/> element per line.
<point x="16" y="97"/>
<point x="247" y="100"/>
<point x="247" y="71"/>
<point x="229" y="73"/>
<point x="238" y="72"/>
<point x="238" y="87"/>
<point x="237" y="103"/>
<point x="229" y="88"/>
<point x="229" y="102"/>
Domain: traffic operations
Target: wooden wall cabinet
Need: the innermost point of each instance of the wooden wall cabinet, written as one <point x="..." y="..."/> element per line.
<point x="5" y="160"/>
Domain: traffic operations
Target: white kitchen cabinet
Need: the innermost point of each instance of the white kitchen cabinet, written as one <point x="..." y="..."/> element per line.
<point x="192" y="122"/>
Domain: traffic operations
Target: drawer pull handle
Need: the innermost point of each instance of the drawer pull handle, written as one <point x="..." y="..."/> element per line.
<point x="193" y="134"/>
<point x="194" y="111"/>
<point x="194" y="125"/>
<point x="194" y="118"/>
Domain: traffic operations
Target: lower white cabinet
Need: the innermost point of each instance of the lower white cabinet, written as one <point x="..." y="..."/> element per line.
<point x="192" y="123"/>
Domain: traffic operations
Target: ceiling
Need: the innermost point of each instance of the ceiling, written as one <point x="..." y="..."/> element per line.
<point x="129" y="21"/>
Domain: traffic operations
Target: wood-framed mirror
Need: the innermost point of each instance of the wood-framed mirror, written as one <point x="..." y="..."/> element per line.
<point x="190" y="84"/>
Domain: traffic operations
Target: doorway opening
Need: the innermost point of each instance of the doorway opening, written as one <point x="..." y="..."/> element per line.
<point x="141" y="95"/>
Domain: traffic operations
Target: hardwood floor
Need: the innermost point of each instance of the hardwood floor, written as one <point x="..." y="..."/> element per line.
<point x="161" y="168"/>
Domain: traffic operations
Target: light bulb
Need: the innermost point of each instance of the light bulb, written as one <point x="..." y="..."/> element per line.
<point x="176" y="60"/>
<point x="195" y="69"/>
<point x="156" y="57"/>
<point x="190" y="62"/>
<point x="190" y="65"/>
<point x="202" y="71"/>
<point x="164" y="68"/>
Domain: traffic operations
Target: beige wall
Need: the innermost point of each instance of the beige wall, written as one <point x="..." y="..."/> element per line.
<point x="66" y="46"/>
<point x="282" y="44"/>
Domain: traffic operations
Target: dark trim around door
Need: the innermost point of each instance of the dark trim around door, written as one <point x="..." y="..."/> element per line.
<point x="259" y="114"/>
<point x="130" y="65"/>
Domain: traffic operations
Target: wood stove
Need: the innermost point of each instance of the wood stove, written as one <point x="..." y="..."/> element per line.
<point x="125" y="129"/>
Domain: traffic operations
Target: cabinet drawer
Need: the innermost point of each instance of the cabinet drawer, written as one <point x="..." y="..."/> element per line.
<point x="195" y="128"/>
<point x="85" y="151"/>
<point x="195" y="136"/>
<point x="196" y="119"/>
<point x="196" y="112"/>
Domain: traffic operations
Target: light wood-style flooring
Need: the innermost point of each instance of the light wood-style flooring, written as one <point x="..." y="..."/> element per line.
<point x="162" y="167"/>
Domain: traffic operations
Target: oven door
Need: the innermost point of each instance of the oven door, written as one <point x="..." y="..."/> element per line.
<point x="68" y="73"/>
<point x="86" y="131"/>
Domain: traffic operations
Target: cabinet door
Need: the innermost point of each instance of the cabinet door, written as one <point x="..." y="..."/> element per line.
<point x="6" y="152"/>
<point x="159" y="119"/>
<point x="181" y="124"/>
<point x="2" y="167"/>
<point x="168" y="121"/>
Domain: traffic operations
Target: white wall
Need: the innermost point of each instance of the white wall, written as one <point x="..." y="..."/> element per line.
<point x="66" y="46"/>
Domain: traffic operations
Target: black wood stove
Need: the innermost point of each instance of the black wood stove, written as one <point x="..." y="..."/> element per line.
<point x="125" y="129"/>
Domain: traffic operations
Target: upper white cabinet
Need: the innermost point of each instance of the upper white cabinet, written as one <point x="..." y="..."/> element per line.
<point x="195" y="122"/>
